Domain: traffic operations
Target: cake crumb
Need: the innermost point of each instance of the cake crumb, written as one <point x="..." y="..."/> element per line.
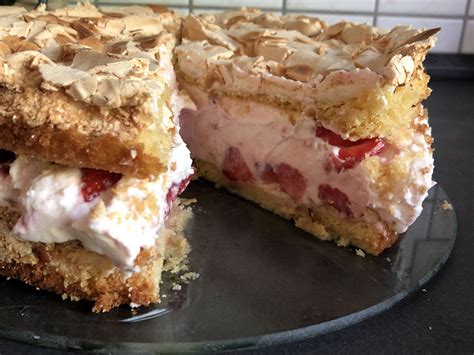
<point x="446" y="206"/>
<point x="176" y="287"/>
<point x="360" y="253"/>
<point x="189" y="276"/>
<point x="187" y="201"/>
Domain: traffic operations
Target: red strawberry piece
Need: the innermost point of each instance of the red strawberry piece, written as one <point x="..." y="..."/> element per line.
<point x="269" y="176"/>
<point x="174" y="191"/>
<point x="234" y="167"/>
<point x="333" y="162"/>
<point x="170" y="197"/>
<point x="356" y="153"/>
<point x="4" y="169"/>
<point x="351" y="152"/>
<point x="94" y="181"/>
<point x="183" y="184"/>
<point x="290" y="180"/>
<point x="333" y="138"/>
<point x="335" y="198"/>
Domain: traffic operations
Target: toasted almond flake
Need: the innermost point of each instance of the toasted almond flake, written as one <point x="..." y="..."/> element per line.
<point x="300" y="72"/>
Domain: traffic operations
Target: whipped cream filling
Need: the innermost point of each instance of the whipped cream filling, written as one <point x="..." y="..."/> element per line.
<point x="265" y="136"/>
<point x="117" y="224"/>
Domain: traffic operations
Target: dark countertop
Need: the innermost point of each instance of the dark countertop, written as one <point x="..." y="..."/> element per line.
<point x="440" y="320"/>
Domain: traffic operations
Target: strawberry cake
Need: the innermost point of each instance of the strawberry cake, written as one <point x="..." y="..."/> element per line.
<point x="320" y="124"/>
<point x="91" y="160"/>
<point x="101" y="113"/>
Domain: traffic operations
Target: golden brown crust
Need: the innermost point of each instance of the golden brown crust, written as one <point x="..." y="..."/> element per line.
<point x="107" y="293"/>
<point x="50" y="126"/>
<point x="76" y="273"/>
<point x="323" y="222"/>
<point x="354" y="77"/>
<point x="86" y="88"/>
<point x="302" y="48"/>
<point x="381" y="113"/>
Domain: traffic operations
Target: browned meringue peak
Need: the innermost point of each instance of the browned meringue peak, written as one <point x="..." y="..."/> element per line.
<point x="102" y="59"/>
<point x="82" y="10"/>
<point x="11" y="10"/>
<point x="301" y="48"/>
<point x="144" y="18"/>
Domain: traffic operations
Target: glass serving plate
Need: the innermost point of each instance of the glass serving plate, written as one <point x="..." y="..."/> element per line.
<point x="262" y="282"/>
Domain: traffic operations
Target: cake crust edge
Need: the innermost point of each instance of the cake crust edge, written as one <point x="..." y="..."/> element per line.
<point x="323" y="222"/>
<point x="32" y="123"/>
<point x="73" y="272"/>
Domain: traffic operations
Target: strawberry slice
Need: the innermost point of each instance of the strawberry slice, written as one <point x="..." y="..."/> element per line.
<point x="94" y="181"/>
<point x="176" y="190"/>
<point x="333" y="138"/>
<point x="269" y="176"/>
<point x="351" y="152"/>
<point x="183" y="184"/>
<point x="4" y="169"/>
<point x="234" y="167"/>
<point x="356" y="153"/>
<point x="290" y="180"/>
<point x="335" y="198"/>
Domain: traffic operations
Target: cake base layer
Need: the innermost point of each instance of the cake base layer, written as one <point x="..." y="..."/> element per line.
<point x="52" y="127"/>
<point x="76" y="273"/>
<point x="323" y="222"/>
<point x="383" y="112"/>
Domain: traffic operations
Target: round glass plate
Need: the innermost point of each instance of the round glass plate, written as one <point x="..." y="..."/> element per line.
<point x="262" y="282"/>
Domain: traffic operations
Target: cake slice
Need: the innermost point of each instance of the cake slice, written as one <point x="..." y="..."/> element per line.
<point x="91" y="159"/>
<point x="320" y="124"/>
<point x="87" y="88"/>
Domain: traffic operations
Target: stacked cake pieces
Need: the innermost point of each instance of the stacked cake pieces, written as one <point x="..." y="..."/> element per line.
<point x="320" y="124"/>
<point x="92" y="159"/>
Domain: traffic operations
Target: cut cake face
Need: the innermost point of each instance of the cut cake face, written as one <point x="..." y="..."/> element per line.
<point x="91" y="161"/>
<point x="90" y="89"/>
<point x="320" y="124"/>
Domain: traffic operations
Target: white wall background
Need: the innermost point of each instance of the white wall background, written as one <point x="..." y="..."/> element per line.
<point x="455" y="17"/>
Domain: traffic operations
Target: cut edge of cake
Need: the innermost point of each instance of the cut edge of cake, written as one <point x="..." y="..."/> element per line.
<point x="85" y="88"/>
<point x="375" y="100"/>
<point x="352" y="76"/>
<point x="350" y="93"/>
<point x="91" y="158"/>
<point x="76" y="273"/>
<point x="323" y="222"/>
